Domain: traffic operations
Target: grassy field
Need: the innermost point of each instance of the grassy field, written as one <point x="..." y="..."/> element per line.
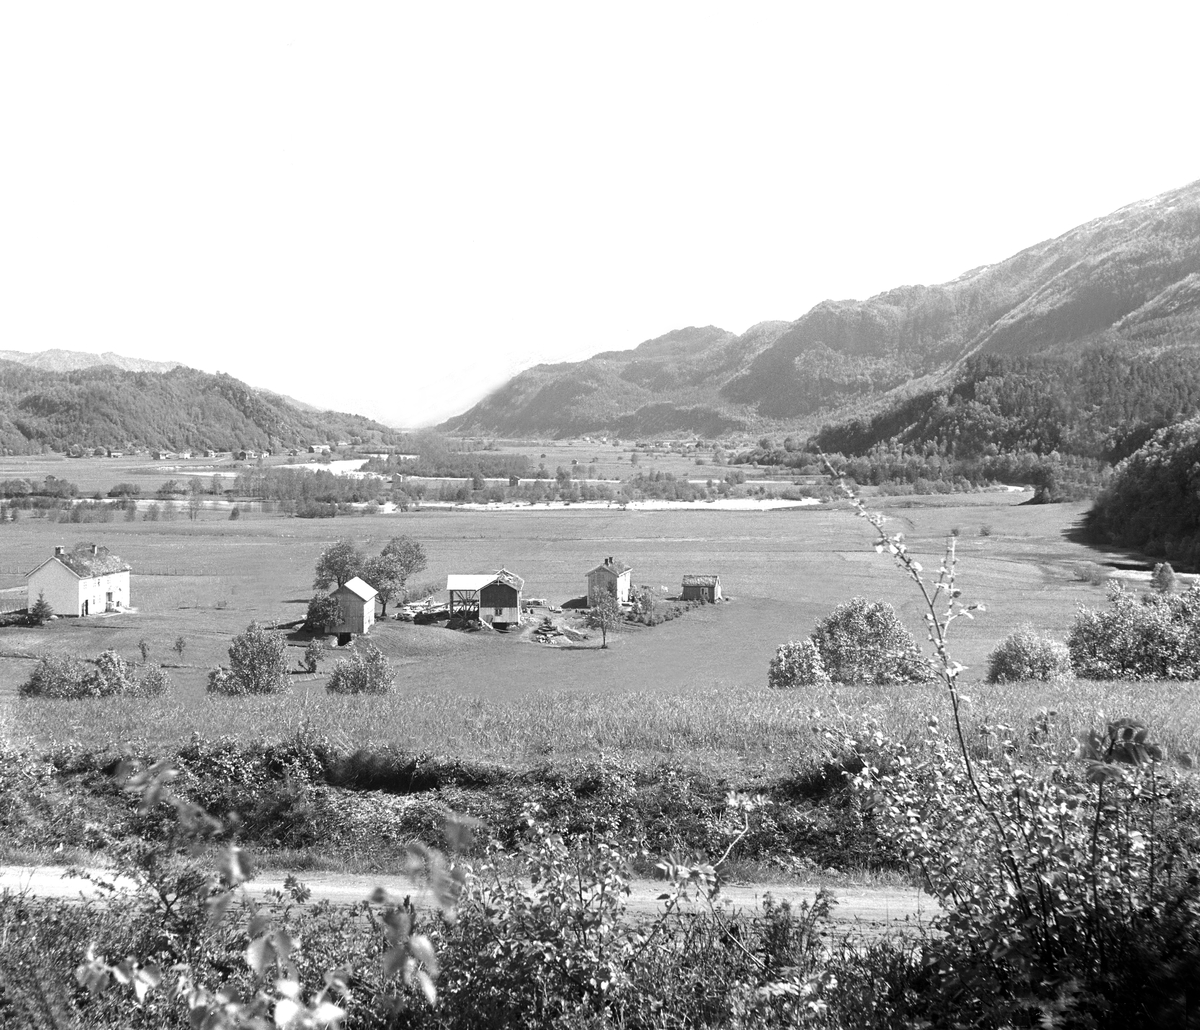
<point x="99" y="475"/>
<point x="748" y="734"/>
<point x="783" y="571"/>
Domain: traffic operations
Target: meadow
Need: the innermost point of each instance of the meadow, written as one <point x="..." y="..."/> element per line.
<point x="694" y="687"/>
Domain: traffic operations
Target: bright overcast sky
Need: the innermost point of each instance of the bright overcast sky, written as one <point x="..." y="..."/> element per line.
<point x="390" y="208"/>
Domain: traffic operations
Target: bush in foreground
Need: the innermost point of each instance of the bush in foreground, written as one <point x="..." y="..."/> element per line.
<point x="796" y="664"/>
<point x="864" y="641"/>
<point x="257" y="664"/>
<point x="1152" y="636"/>
<point x="365" y="670"/>
<point x="1024" y="655"/>
<point x="66" y="677"/>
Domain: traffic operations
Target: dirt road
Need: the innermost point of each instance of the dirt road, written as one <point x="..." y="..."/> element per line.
<point x="861" y="912"/>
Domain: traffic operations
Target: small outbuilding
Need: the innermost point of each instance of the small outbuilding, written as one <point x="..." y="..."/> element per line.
<point x="356" y="599"/>
<point x="491" y="597"/>
<point x="702" y="588"/>
<point x="611" y="576"/>
<point x="85" y="581"/>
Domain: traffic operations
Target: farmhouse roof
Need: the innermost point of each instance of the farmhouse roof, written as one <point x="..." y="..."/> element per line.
<point x="481" y="580"/>
<point x="701" y="581"/>
<point x="613" y="565"/>
<point x="360" y="588"/>
<point x="87" y="563"/>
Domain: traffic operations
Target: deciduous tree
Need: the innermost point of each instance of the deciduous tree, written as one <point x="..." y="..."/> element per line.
<point x="339" y="562"/>
<point x="606" y="615"/>
<point x="401" y="557"/>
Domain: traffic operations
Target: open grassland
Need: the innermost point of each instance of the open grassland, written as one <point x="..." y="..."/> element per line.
<point x="742" y="733"/>
<point x="784" y="570"/>
<point x="98" y="475"/>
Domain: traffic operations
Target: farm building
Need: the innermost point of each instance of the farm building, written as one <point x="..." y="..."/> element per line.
<point x="356" y="599"/>
<point x="86" y="581"/>
<point x="612" y="576"/>
<point x="492" y="597"/>
<point x="702" y="588"/>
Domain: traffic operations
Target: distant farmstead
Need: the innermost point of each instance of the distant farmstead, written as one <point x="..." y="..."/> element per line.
<point x="612" y="576"/>
<point x="85" y="581"/>
<point x="494" y="597"/>
<point x="356" y="599"/>
<point x="702" y="588"/>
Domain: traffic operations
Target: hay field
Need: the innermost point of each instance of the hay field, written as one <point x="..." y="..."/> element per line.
<point x="783" y="571"/>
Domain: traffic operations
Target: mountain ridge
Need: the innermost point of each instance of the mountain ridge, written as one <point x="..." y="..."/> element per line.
<point x="182" y="408"/>
<point x="57" y="359"/>
<point x="1129" y="278"/>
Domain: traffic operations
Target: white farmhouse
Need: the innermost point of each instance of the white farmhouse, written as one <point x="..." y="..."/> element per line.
<point x="86" y="581"/>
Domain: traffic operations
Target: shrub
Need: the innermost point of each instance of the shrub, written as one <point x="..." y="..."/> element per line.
<point x="796" y="664"/>
<point x="1154" y="636"/>
<point x="313" y="654"/>
<point x="365" y="670"/>
<point x="57" y="676"/>
<point x="323" y="612"/>
<point x="257" y="664"/>
<point x="67" y="677"/>
<point x="1163" y="578"/>
<point x="222" y="681"/>
<point x="1024" y="655"/>
<point x="111" y="675"/>
<point x="154" y="683"/>
<point x="864" y="641"/>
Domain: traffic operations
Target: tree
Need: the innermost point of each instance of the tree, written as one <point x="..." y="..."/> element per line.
<point x="400" y="558"/>
<point x="41" y="612"/>
<point x="1163" y="578"/>
<point x="323" y="612"/>
<point x="339" y="562"/>
<point x="178" y="647"/>
<point x="606" y="615"/>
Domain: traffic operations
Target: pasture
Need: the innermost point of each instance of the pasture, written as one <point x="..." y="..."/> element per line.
<point x="206" y="580"/>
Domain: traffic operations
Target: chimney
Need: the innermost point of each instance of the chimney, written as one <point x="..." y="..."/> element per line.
<point x="95" y="549"/>
<point x="58" y="552"/>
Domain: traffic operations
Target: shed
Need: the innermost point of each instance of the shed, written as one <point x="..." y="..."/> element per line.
<point x="702" y="588"/>
<point x="356" y="599"/>
<point x="492" y="597"/>
<point x="85" y="581"/>
<point x="611" y="576"/>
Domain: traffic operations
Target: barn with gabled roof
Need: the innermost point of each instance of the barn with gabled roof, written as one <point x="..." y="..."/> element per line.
<point x="491" y="597"/>
<point x="356" y="599"/>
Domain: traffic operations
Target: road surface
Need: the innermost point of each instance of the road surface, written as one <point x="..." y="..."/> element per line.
<point x="861" y="912"/>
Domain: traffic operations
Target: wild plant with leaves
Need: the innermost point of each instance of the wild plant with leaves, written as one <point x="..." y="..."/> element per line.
<point x="1070" y="891"/>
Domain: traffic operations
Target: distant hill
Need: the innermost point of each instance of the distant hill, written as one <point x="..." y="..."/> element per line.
<point x="182" y="408"/>
<point x="70" y="360"/>
<point x="1129" y="281"/>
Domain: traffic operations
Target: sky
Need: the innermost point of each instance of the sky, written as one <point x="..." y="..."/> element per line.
<point x="391" y="208"/>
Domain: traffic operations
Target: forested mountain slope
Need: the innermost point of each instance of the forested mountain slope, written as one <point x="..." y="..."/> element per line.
<point x="1129" y="280"/>
<point x="104" y="406"/>
<point x="1153" y="501"/>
